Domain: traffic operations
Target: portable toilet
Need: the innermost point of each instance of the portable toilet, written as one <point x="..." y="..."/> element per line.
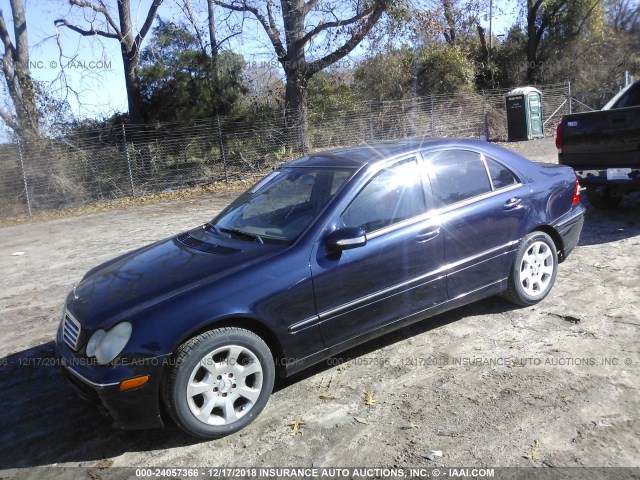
<point x="524" y="114"/>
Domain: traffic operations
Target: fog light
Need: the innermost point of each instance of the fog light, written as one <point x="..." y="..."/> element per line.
<point x="134" y="382"/>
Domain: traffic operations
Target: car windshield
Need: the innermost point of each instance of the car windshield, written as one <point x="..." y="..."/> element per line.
<point x="282" y="205"/>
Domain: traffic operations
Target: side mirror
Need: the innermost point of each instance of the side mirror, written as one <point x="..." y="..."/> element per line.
<point x="345" y="239"/>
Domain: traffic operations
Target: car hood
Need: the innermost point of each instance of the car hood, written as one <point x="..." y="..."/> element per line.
<point x="119" y="288"/>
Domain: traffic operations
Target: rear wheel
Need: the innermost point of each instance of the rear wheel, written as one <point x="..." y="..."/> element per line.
<point x="220" y="382"/>
<point x="603" y="198"/>
<point x="534" y="270"/>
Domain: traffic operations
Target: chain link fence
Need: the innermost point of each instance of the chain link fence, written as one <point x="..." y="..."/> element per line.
<point x="90" y="165"/>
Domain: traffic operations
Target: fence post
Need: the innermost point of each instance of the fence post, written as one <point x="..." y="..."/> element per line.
<point x="128" y="158"/>
<point x="570" y="105"/>
<point x="433" y="116"/>
<point x="302" y="130"/>
<point x="24" y="178"/>
<point x="223" y="155"/>
<point x="485" y="116"/>
<point x="370" y="123"/>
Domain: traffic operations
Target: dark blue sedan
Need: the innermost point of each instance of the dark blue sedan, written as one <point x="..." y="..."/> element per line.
<point x="327" y="252"/>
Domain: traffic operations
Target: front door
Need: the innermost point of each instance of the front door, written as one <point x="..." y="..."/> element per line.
<point x="397" y="273"/>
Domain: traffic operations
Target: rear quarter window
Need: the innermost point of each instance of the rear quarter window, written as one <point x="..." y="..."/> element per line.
<point x="501" y="176"/>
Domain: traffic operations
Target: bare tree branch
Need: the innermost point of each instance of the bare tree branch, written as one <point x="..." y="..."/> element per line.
<point x="4" y="35"/>
<point x="587" y="16"/>
<point x="6" y="117"/>
<point x="151" y="15"/>
<point x="351" y="43"/>
<point x="61" y="22"/>
<point x="123" y="32"/>
<point x="338" y="23"/>
<point x="272" y="33"/>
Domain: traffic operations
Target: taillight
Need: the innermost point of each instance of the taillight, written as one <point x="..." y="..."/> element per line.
<point x="576" y="193"/>
<point x="559" y="137"/>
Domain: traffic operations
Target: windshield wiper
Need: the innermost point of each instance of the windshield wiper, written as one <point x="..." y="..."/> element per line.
<point x="241" y="233"/>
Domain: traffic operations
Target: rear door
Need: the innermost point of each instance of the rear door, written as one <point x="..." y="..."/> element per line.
<point x="483" y="206"/>
<point x="400" y="269"/>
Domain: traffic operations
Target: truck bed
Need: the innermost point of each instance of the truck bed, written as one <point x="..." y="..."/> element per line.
<point x="601" y="139"/>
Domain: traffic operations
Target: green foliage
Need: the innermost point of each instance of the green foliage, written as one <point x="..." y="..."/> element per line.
<point x="402" y="73"/>
<point x="442" y="68"/>
<point x="330" y="91"/>
<point x="510" y="59"/>
<point x="386" y="76"/>
<point x="180" y="81"/>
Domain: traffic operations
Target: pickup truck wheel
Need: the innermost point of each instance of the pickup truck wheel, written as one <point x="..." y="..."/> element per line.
<point x="603" y="198"/>
<point x="533" y="271"/>
<point x="219" y="382"/>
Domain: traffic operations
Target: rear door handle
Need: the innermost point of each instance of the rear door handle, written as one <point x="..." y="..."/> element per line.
<point x="512" y="203"/>
<point x="428" y="234"/>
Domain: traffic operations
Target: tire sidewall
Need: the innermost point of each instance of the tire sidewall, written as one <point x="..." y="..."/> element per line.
<point x="523" y="296"/>
<point x="177" y="384"/>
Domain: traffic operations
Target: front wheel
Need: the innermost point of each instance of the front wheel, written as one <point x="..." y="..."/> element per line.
<point x="534" y="270"/>
<point x="219" y="382"/>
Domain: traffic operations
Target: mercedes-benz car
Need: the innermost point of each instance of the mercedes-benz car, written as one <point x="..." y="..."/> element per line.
<point x="324" y="253"/>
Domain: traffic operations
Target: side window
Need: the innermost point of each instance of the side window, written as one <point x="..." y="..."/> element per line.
<point x="457" y="175"/>
<point x="393" y="195"/>
<point x="501" y="176"/>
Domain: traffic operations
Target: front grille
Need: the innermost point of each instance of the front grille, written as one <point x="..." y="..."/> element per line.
<point x="71" y="331"/>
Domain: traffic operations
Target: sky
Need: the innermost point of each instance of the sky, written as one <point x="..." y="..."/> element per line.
<point x="93" y="65"/>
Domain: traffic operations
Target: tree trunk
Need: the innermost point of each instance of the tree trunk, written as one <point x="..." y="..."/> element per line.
<point x="130" y="58"/>
<point x="532" y="41"/>
<point x="296" y="105"/>
<point x="17" y="74"/>
<point x="486" y="78"/>
<point x="212" y="39"/>
<point x="450" y="30"/>
<point x="132" y="83"/>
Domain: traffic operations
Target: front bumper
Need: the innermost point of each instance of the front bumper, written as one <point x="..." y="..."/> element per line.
<point x="131" y="409"/>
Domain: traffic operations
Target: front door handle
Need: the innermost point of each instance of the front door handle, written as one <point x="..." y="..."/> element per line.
<point x="512" y="203"/>
<point x="428" y="234"/>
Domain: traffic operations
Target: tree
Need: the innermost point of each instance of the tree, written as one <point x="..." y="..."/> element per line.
<point x="553" y="23"/>
<point x="509" y="58"/>
<point x="442" y="68"/>
<point x="102" y="23"/>
<point x="386" y="76"/>
<point x="17" y="75"/>
<point x="331" y="91"/>
<point x="436" y="67"/>
<point x="295" y="25"/>
<point x="624" y="15"/>
<point x="177" y="77"/>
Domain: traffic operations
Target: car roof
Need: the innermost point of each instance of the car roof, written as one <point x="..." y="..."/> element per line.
<point x="361" y="155"/>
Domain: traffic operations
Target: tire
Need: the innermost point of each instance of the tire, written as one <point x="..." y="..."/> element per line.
<point x="219" y="382"/>
<point x="603" y="198"/>
<point x="533" y="271"/>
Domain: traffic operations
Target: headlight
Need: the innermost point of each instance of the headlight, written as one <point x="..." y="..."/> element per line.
<point x="106" y="346"/>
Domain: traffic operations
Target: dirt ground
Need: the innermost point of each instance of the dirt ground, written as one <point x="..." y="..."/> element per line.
<point x="556" y="384"/>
